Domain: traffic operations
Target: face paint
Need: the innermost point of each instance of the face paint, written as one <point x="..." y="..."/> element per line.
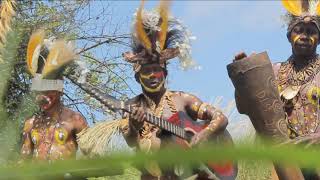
<point x="47" y="100"/>
<point x="152" y="78"/>
<point x="43" y="101"/>
<point x="312" y="40"/>
<point x="156" y="75"/>
<point x="296" y="38"/>
<point x="152" y="90"/>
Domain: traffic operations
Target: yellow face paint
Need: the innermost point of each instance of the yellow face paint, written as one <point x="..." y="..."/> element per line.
<point x="296" y="38"/>
<point x="157" y="75"/>
<point x="312" y="40"/>
<point x="152" y="90"/>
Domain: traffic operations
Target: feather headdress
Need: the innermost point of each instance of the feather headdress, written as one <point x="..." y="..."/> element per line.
<point x="159" y="37"/>
<point x="7" y="11"/>
<point x="302" y="11"/>
<point x="46" y="59"/>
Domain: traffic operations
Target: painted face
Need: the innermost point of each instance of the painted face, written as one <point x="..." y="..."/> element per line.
<point x="152" y="77"/>
<point x="47" y="99"/>
<point x="304" y="39"/>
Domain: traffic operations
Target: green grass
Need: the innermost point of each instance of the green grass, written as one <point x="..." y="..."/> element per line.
<point x="254" y="170"/>
<point x="130" y="173"/>
<point x="248" y="170"/>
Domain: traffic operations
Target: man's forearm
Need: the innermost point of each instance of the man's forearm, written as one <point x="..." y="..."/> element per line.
<point x="218" y="122"/>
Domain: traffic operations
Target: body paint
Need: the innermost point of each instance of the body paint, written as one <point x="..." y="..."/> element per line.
<point x="60" y="135"/>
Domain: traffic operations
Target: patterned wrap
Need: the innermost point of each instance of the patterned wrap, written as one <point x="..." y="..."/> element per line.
<point x="303" y="109"/>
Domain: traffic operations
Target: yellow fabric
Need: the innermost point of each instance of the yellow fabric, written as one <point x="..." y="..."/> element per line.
<point x="313" y="94"/>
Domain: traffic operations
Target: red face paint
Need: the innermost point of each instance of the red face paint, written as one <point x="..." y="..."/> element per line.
<point x="159" y="74"/>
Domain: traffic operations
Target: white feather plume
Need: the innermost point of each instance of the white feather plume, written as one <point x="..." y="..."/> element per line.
<point x="313" y="7"/>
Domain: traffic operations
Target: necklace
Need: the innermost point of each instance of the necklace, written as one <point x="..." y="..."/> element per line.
<point x="290" y="75"/>
<point x="156" y="110"/>
<point x="46" y="123"/>
<point x="291" y="80"/>
<point x="147" y="129"/>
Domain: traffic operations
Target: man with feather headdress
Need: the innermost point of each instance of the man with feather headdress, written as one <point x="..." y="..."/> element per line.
<point x="298" y="78"/>
<point x="50" y="134"/>
<point x="157" y="38"/>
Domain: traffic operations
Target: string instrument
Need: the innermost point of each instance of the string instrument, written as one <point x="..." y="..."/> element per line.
<point x="179" y="124"/>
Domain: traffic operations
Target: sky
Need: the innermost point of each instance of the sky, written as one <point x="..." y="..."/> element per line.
<point x="222" y="28"/>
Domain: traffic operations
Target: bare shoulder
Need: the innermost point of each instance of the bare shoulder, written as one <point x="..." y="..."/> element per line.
<point x="76" y="119"/>
<point x="72" y="115"/>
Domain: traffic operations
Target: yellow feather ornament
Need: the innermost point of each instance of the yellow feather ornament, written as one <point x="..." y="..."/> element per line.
<point x="61" y="54"/>
<point x="294" y="7"/>
<point x="318" y="8"/>
<point x="7" y="11"/>
<point x="163" y="10"/>
<point x="142" y="35"/>
<point x="33" y="50"/>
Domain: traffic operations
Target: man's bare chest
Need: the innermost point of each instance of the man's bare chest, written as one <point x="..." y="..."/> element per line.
<point x="50" y="132"/>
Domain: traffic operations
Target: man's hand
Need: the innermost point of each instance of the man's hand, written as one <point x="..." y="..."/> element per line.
<point x="240" y="56"/>
<point x="200" y="137"/>
<point x="136" y="117"/>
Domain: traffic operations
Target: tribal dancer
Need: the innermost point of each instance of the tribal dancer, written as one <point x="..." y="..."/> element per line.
<point x="157" y="38"/>
<point x="50" y="134"/>
<point x="298" y="78"/>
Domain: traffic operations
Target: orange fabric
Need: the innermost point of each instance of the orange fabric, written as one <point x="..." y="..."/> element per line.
<point x="223" y="169"/>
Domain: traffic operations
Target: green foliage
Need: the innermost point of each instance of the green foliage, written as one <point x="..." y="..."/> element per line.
<point x="70" y="20"/>
<point x="254" y="162"/>
<point x="252" y="170"/>
<point x="65" y="19"/>
<point x="8" y="128"/>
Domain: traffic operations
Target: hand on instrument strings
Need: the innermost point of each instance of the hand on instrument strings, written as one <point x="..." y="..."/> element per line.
<point x="200" y="137"/>
<point x="309" y="140"/>
<point x="136" y="117"/>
